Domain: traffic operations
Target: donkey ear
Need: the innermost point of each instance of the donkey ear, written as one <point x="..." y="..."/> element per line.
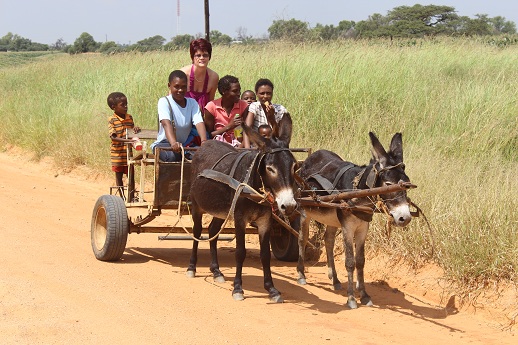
<point x="285" y="128"/>
<point x="255" y="137"/>
<point x="378" y="152"/>
<point x="396" y="147"/>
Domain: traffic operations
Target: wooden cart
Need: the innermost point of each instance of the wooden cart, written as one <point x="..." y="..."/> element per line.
<point x="156" y="189"/>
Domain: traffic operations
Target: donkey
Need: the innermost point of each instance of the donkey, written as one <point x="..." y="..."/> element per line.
<point x="385" y="168"/>
<point x="271" y="167"/>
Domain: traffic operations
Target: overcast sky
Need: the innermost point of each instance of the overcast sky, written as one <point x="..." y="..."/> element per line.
<point x="129" y="21"/>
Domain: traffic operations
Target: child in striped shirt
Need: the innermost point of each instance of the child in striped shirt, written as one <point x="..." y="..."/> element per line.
<point x="118" y="124"/>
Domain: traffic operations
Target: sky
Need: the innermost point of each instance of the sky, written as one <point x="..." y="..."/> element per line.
<point x="129" y="21"/>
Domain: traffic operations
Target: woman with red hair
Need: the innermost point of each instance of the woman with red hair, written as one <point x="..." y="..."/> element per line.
<point x="202" y="82"/>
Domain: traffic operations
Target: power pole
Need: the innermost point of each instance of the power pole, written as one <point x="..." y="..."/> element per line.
<point x="207" y="27"/>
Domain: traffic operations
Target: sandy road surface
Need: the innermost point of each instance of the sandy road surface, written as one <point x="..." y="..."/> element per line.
<point x="53" y="290"/>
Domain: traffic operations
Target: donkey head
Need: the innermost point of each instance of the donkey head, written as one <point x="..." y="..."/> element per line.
<point x="278" y="165"/>
<point x="391" y="170"/>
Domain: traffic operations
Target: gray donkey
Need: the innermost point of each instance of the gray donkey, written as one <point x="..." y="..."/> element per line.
<point x="322" y="167"/>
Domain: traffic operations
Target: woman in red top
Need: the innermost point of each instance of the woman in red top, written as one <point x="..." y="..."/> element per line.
<point x="224" y="114"/>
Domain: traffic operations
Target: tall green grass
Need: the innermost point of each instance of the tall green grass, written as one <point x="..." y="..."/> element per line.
<point x="455" y="101"/>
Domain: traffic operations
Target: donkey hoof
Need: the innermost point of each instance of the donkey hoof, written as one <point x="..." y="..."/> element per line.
<point x="219" y="279"/>
<point x="301" y="281"/>
<point x="351" y="303"/>
<point x="367" y="302"/>
<point x="277" y="299"/>
<point x="190" y="274"/>
<point x="238" y="296"/>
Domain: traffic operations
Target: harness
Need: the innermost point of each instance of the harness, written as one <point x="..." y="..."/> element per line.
<point x="229" y="179"/>
<point x="325" y="183"/>
<point x="370" y="182"/>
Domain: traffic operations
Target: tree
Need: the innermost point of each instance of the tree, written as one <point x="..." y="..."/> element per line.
<point x="419" y="20"/>
<point x="179" y="41"/>
<point x="151" y="43"/>
<point x="83" y="44"/>
<point x="325" y="32"/>
<point x="479" y="26"/>
<point x="14" y="42"/>
<point x="502" y="26"/>
<point x="217" y="37"/>
<point x="108" y="47"/>
<point x="293" y="30"/>
<point x="376" y="26"/>
<point x="242" y="35"/>
<point x="59" y="45"/>
<point x="346" y="29"/>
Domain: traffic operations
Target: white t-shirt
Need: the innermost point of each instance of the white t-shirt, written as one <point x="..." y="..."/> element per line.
<point x="184" y="118"/>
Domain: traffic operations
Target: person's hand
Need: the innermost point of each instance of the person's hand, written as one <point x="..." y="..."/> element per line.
<point x="235" y="122"/>
<point x="176" y="146"/>
<point x="136" y="130"/>
<point x="270" y="111"/>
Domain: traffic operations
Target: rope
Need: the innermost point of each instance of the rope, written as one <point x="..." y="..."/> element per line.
<point x="380" y="205"/>
<point x="430" y="230"/>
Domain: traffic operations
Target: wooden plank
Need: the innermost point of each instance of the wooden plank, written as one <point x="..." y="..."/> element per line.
<point x="143" y="134"/>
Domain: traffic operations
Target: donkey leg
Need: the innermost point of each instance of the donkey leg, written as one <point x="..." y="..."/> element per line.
<point x="360" y="237"/>
<point x="214" y="227"/>
<point x="238" y="293"/>
<point x="348" y="238"/>
<point x="303" y="240"/>
<point x="196" y="217"/>
<point x="264" y="242"/>
<point x="329" y="239"/>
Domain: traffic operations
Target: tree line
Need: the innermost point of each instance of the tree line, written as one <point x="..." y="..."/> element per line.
<point x="416" y="21"/>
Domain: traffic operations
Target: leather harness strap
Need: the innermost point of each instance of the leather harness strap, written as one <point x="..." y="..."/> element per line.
<point x="325" y="183"/>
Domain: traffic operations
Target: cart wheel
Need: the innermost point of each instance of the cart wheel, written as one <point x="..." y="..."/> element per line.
<point x="284" y="244"/>
<point x="110" y="225"/>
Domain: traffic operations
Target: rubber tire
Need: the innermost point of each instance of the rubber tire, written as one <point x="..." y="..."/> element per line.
<point x="109" y="228"/>
<point x="284" y="247"/>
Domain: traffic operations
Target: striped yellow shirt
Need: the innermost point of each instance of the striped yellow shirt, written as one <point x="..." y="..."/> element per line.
<point x="117" y="127"/>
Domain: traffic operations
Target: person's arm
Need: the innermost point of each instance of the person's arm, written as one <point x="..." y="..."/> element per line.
<point x="170" y="134"/>
<point x="213" y="84"/>
<point x="208" y="120"/>
<point x="200" y="127"/>
<point x="116" y="139"/>
<point x="249" y="121"/>
<point x="270" y="116"/>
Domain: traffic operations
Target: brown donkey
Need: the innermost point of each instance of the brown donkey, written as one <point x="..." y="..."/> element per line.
<point x="270" y="168"/>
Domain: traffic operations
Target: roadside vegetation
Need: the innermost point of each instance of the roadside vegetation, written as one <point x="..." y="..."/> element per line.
<point x="454" y="100"/>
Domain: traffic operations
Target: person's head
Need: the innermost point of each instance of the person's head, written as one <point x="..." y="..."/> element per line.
<point x="249" y="96"/>
<point x="201" y="50"/>
<point x="118" y="102"/>
<point x="177" y="85"/>
<point x="264" y="90"/>
<point x="265" y="131"/>
<point x="229" y="87"/>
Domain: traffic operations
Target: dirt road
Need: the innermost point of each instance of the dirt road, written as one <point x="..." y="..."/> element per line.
<point x="53" y="290"/>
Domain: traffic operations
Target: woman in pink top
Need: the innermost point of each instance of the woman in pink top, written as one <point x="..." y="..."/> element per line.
<point x="220" y="114"/>
<point x="203" y="81"/>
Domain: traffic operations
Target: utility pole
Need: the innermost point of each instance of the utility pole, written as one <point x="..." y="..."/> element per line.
<point x="207" y="28"/>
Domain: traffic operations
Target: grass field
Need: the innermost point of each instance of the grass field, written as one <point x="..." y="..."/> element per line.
<point x="455" y="101"/>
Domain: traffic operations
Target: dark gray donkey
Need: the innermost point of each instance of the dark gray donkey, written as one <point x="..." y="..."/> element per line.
<point x="215" y="167"/>
<point x="325" y="170"/>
